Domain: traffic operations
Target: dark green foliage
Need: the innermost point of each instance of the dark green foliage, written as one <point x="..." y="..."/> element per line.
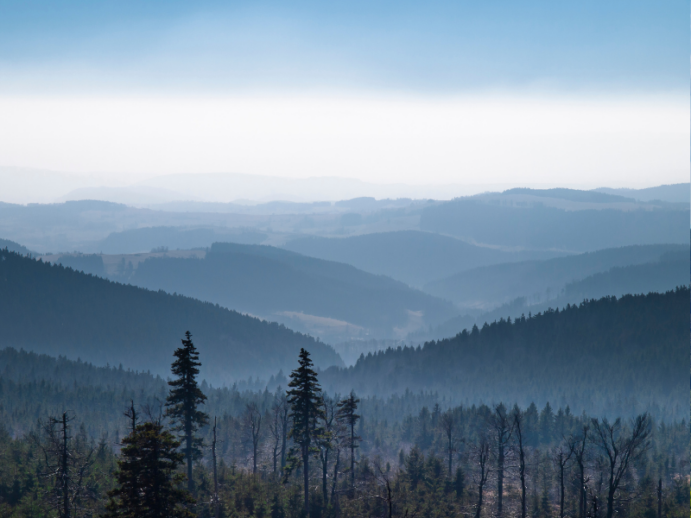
<point x="182" y="404"/>
<point x="51" y="309"/>
<point x="148" y="484"/>
<point x="611" y="356"/>
<point x="306" y="412"/>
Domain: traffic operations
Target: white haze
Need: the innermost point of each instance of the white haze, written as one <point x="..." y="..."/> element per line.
<point x="471" y="142"/>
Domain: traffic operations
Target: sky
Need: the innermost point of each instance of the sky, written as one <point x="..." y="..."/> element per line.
<point x="584" y="93"/>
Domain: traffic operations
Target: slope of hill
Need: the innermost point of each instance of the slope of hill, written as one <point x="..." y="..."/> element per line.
<point x="610" y="355"/>
<point x="13" y="247"/>
<point x="55" y="310"/>
<point x="332" y="300"/>
<point x="559" y="220"/>
<point x="538" y="281"/>
<point x="675" y="193"/>
<point x="410" y="256"/>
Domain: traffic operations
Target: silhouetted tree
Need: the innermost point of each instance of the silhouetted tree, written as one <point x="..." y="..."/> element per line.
<point x="184" y="400"/>
<point x="502" y="429"/>
<point x="252" y="428"/>
<point x="148" y="463"/>
<point x="620" y="449"/>
<point x="347" y="416"/>
<point x="306" y="413"/>
<point x="518" y="426"/>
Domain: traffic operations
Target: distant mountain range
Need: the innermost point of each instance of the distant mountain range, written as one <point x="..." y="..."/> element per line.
<point x="490" y="286"/>
<point x="55" y="310"/>
<point x="410" y="256"/>
<point x="328" y="299"/>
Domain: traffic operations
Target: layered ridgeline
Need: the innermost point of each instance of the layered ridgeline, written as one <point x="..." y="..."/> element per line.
<point x="56" y="310"/>
<point x="560" y="219"/>
<point x="657" y="268"/>
<point x="410" y="256"/>
<point x="328" y="299"/>
<point x="614" y="356"/>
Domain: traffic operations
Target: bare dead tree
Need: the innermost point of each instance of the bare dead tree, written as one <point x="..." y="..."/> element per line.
<point x="131" y="414"/>
<point x="326" y="441"/>
<point x="276" y="433"/>
<point x="449" y="428"/>
<point x="68" y="461"/>
<point x="620" y="449"/>
<point x="216" y="502"/>
<point x="579" y="445"/>
<point x="283" y="410"/>
<point x="384" y="481"/>
<point x="561" y="456"/>
<point x="517" y="416"/>
<point x="501" y="426"/>
<point x="252" y="427"/>
<point x="481" y="456"/>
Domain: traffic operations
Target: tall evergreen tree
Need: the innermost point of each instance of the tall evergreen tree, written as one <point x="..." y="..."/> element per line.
<point x="306" y="413"/>
<point x="347" y="416"/>
<point x="148" y="484"/>
<point x="184" y="400"/>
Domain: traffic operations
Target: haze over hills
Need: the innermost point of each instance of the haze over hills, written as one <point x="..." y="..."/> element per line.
<point x="411" y="256"/>
<point x="561" y="220"/>
<point x="54" y="310"/>
<point x="490" y="286"/>
<point x="328" y="299"/>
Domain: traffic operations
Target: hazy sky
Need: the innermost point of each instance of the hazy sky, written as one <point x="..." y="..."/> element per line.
<point x="570" y="93"/>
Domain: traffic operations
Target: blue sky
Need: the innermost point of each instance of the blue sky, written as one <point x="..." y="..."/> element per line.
<point x="431" y="46"/>
<point x="523" y="92"/>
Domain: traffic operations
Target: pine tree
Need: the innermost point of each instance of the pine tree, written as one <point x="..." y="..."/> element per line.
<point x="183" y="402"/>
<point x="148" y="484"/>
<point x="306" y="411"/>
<point x="347" y="416"/>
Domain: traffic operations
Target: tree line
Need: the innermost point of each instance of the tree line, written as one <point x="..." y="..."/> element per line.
<point x="304" y="456"/>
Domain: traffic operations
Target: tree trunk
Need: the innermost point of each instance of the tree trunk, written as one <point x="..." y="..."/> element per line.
<point x="659" y="498"/>
<point x="561" y="486"/>
<point x="306" y="469"/>
<point x="217" y="509"/>
<point x="500" y="480"/>
<point x="65" y="474"/>
<point x="335" y="480"/>
<point x="325" y="467"/>
<point x="352" y="459"/>
<point x="188" y="452"/>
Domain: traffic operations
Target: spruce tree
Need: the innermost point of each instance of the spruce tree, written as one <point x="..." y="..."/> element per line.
<point x="184" y="400"/>
<point x="306" y="411"/>
<point x="348" y="417"/>
<point x="148" y="484"/>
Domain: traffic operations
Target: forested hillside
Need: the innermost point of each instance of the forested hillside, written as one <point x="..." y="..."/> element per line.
<point x="324" y="298"/>
<point x="616" y="356"/>
<point x="410" y="256"/>
<point x="490" y="286"/>
<point x="56" y="310"/>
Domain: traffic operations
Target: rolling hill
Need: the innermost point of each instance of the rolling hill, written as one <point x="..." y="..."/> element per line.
<point x="607" y="356"/>
<point x="58" y="311"/>
<point x="558" y="219"/>
<point x="539" y="281"/>
<point x="328" y="299"/>
<point x="410" y="256"/>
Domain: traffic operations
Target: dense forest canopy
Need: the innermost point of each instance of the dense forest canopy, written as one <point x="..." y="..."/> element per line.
<point x="52" y="309"/>
<point x="611" y="356"/>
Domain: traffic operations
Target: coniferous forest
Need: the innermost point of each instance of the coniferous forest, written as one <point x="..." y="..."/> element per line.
<point x="298" y="451"/>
